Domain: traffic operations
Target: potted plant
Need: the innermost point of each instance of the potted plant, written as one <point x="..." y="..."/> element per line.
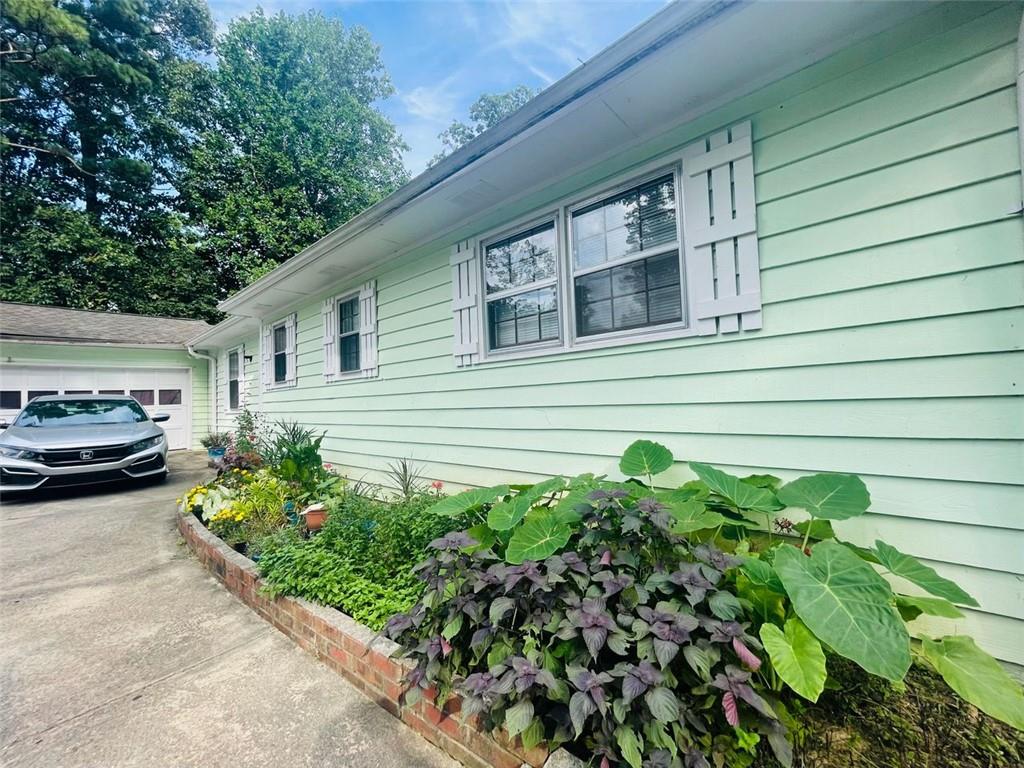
<point x="315" y="516"/>
<point x="216" y="445"/>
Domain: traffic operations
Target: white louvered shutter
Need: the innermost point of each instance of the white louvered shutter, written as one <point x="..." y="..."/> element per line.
<point x="330" y="318"/>
<point x="267" y="356"/>
<point x="291" y="349"/>
<point x="465" y="293"/>
<point x="368" y="328"/>
<point x="720" y="227"/>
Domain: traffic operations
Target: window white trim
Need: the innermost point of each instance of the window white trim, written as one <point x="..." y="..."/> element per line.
<point x="240" y="351"/>
<point x="268" y="353"/>
<point x="366" y="296"/>
<point x="707" y="164"/>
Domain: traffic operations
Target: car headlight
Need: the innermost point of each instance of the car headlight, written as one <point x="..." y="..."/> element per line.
<point x="149" y="442"/>
<point x="13" y="452"/>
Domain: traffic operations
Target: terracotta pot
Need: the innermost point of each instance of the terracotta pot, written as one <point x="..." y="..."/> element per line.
<point x="315" y="516"/>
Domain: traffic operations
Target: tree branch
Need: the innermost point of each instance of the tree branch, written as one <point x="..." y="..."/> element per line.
<point x="48" y="152"/>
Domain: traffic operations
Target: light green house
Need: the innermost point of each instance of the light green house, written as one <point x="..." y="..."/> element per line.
<point x="54" y="350"/>
<point x="779" y="237"/>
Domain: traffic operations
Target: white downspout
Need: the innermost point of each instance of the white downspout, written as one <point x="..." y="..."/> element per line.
<point x="1020" y="104"/>
<point x="211" y="372"/>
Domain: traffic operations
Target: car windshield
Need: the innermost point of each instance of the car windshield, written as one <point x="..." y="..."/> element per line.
<point x="71" y="413"/>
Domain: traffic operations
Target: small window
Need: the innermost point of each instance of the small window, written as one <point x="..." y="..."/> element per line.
<point x="144" y="396"/>
<point x="348" y="336"/>
<point x="34" y="393"/>
<point x="10" y="399"/>
<point x="233" y="379"/>
<point x="280" y="354"/>
<point x="111" y="391"/>
<point x="626" y="264"/>
<point x="77" y="391"/>
<point x="522" y="296"/>
<point x="170" y="397"/>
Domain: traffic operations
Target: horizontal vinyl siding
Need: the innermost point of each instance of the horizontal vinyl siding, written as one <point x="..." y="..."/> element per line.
<point x="249" y="387"/>
<point x="886" y="177"/>
<point x="98" y="356"/>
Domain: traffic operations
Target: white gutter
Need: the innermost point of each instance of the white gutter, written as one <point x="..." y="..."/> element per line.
<point x="211" y="369"/>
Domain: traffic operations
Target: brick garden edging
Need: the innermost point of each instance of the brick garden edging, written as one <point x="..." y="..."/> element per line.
<point x="357" y="654"/>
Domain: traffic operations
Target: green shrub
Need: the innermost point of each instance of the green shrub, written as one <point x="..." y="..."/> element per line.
<point x="670" y="627"/>
<point x="361" y="561"/>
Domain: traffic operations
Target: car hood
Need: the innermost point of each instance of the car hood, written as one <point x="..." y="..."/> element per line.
<point x="78" y="436"/>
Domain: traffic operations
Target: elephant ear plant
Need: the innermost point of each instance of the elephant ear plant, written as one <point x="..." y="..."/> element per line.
<point x="671" y="627"/>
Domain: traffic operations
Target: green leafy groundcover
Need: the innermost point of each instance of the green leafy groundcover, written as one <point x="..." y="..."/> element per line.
<point x="671" y="627"/>
<point x="362" y="560"/>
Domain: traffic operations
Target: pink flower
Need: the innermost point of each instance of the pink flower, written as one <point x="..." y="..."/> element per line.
<point x="437" y="485"/>
<point x="329" y="467"/>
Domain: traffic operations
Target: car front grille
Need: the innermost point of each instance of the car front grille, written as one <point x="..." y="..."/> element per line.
<point x="75" y="457"/>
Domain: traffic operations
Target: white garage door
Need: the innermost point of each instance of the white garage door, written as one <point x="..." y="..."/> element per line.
<point x="160" y="390"/>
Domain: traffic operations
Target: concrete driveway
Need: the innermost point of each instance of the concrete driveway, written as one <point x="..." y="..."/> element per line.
<point x="117" y="649"/>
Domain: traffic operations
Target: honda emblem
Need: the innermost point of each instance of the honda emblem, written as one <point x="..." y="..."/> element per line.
<point x="85" y="455"/>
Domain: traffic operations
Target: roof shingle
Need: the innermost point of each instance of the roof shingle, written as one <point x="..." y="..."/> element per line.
<point x="31" y="322"/>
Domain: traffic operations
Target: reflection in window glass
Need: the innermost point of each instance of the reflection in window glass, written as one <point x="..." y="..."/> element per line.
<point x="67" y="413"/>
<point x="280" y="354"/>
<point x="234" y="391"/>
<point x="170" y="397"/>
<point x="524" y="318"/>
<point x="633" y="295"/>
<point x="144" y="396"/>
<point x="631" y="222"/>
<point x="520" y="260"/>
<point x="10" y="399"/>
<point x="348" y="340"/>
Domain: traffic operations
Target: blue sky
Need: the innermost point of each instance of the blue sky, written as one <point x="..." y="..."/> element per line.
<point x="442" y="54"/>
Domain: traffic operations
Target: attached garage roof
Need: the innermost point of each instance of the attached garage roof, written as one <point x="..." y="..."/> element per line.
<point x="30" y="322"/>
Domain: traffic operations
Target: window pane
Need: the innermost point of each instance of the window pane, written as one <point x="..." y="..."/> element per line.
<point x="232" y="395"/>
<point x="144" y="396"/>
<point x="10" y="399"/>
<point x="280" y="339"/>
<point x="111" y="391"/>
<point x="525" y="318"/>
<point x="34" y="393"/>
<point x="634" y="295"/>
<point x="350" y="353"/>
<point x="170" y="397"/>
<point x="349" y="313"/>
<point x="521" y="259"/>
<point x="280" y="367"/>
<point x="77" y="391"/>
<point x="232" y="366"/>
<point x="632" y="221"/>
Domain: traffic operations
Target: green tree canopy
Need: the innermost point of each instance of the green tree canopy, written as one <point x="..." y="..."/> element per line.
<point x="294" y="145"/>
<point x="487" y="111"/>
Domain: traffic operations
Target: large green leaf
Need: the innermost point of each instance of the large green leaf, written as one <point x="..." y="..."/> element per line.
<point x="689" y="516"/>
<point x="738" y="493"/>
<point x="926" y="578"/>
<point x="797" y="657"/>
<point x="506" y="515"/>
<point x="460" y="503"/>
<point x="847" y="605"/>
<point x="542" y="534"/>
<point x="833" y="497"/>
<point x="933" y="606"/>
<point x="977" y="677"/>
<point x="645" y="457"/>
<point x="762" y="574"/>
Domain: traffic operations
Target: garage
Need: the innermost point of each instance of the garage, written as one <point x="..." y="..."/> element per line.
<point x="53" y="350"/>
<point x="159" y="390"/>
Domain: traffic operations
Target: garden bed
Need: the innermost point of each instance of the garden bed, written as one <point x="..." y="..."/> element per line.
<point x="356" y="653"/>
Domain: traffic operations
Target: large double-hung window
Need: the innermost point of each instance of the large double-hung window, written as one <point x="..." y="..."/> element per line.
<point x="626" y="267"/>
<point x="522" y="288"/>
<point x="667" y="250"/>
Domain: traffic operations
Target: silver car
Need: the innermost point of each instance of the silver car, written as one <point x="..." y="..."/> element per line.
<point x="62" y="440"/>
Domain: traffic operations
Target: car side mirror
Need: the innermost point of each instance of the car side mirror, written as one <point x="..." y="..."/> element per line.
<point x="4" y="424"/>
<point x="158" y="417"/>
